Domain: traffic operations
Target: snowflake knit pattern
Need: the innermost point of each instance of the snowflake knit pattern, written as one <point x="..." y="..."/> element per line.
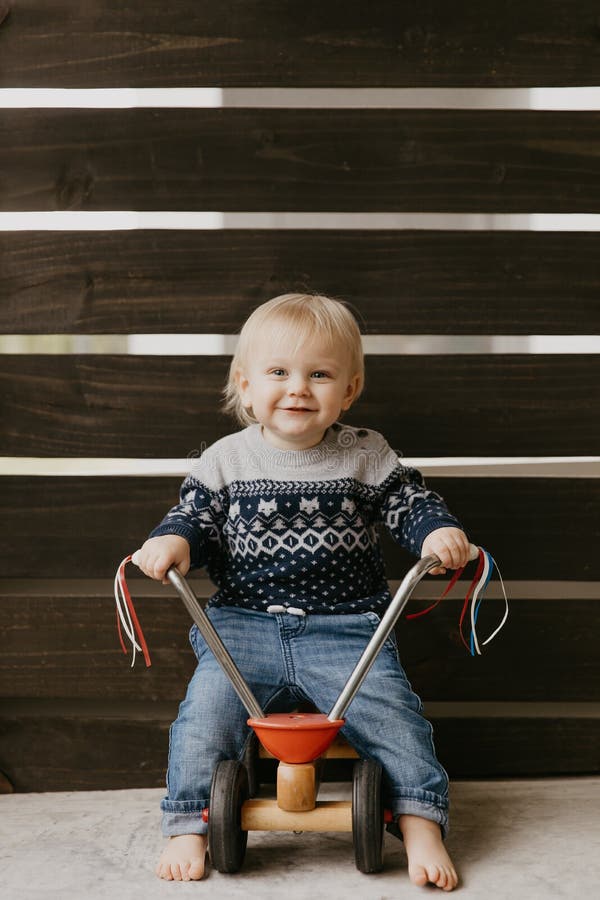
<point x="298" y="528"/>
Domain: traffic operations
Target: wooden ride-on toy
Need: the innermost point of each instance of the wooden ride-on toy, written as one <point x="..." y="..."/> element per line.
<point x="299" y="741"/>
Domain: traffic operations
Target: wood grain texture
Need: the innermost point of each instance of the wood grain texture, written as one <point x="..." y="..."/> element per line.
<point x="399" y="282"/>
<point x="57" y="646"/>
<point x="78" y="527"/>
<point x="293" y="43"/>
<point x="151" y="406"/>
<point x="330" y="160"/>
<point x="84" y="752"/>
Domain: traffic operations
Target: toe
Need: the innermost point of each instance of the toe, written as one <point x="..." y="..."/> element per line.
<point x="449" y="882"/>
<point x="419" y="876"/>
<point x="196" y="870"/>
<point x="442" y="877"/>
<point x="435" y="875"/>
<point x="176" y="871"/>
<point x="165" y="872"/>
<point x="184" y="868"/>
<point x="452" y="879"/>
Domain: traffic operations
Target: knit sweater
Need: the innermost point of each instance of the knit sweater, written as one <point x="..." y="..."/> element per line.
<point x="298" y="528"/>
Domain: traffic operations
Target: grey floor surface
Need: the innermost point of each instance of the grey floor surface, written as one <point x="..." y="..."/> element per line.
<point x="509" y="839"/>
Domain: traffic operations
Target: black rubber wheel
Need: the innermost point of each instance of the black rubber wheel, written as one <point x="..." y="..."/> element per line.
<point x="228" y="792"/>
<point x="251" y="761"/>
<point x="367" y="816"/>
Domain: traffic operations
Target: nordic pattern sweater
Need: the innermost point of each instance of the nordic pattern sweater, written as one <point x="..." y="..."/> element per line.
<point x="299" y="527"/>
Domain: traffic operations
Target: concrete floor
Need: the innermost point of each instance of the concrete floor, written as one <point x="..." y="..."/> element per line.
<point x="509" y="839"/>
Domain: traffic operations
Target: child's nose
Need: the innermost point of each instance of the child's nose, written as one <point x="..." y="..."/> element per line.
<point x="297" y="385"/>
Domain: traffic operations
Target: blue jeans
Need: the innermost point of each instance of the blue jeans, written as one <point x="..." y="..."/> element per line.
<point x="286" y="659"/>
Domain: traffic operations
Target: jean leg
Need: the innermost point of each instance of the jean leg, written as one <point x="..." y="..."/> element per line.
<point x="384" y="721"/>
<point x="211" y="724"/>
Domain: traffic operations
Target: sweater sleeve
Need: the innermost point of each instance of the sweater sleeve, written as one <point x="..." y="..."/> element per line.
<point x="410" y="511"/>
<point x="198" y="518"/>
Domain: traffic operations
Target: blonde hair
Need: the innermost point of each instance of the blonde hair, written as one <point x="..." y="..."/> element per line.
<point x="291" y="320"/>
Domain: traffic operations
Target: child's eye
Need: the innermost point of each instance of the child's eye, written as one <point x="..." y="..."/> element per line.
<point x="318" y="372"/>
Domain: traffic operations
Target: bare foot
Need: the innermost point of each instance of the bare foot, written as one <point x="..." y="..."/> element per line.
<point x="428" y="861"/>
<point x="183" y="858"/>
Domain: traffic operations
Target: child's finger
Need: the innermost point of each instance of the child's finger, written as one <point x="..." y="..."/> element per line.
<point x="181" y="567"/>
<point x="445" y="555"/>
<point x="164" y="579"/>
<point x="455" y="555"/>
<point x="161" y="565"/>
<point x="465" y="556"/>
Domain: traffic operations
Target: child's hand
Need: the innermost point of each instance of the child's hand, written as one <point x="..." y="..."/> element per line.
<point x="452" y="547"/>
<point x="159" y="553"/>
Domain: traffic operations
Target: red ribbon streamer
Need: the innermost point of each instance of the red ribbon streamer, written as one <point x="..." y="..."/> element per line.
<point x="478" y="573"/>
<point x="451" y="584"/>
<point x="134" y="618"/>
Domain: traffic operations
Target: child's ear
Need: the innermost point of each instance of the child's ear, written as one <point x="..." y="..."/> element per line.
<point x="242" y="383"/>
<point x="351" y="392"/>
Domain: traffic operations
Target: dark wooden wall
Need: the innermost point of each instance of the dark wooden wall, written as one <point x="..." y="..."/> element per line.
<point x="286" y="43"/>
<point x="74" y="715"/>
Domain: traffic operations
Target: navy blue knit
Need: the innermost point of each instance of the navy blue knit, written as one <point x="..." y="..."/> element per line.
<point x="300" y="528"/>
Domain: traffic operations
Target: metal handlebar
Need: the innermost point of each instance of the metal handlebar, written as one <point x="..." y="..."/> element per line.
<point x="208" y="632"/>
<point x="392" y="614"/>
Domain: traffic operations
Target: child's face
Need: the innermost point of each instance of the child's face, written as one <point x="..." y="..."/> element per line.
<point x="316" y="382"/>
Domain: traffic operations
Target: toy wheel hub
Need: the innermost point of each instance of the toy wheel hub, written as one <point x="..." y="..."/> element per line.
<point x="296" y="737"/>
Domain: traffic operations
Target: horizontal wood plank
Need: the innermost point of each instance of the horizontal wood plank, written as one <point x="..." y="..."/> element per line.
<point x="78" y="527"/>
<point x="83" y="752"/>
<point x="151" y="406"/>
<point x="330" y="160"/>
<point x="400" y="282"/>
<point x="66" y="647"/>
<point x="258" y="43"/>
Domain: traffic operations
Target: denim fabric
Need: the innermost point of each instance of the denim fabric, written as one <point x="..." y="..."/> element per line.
<point x="286" y="659"/>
